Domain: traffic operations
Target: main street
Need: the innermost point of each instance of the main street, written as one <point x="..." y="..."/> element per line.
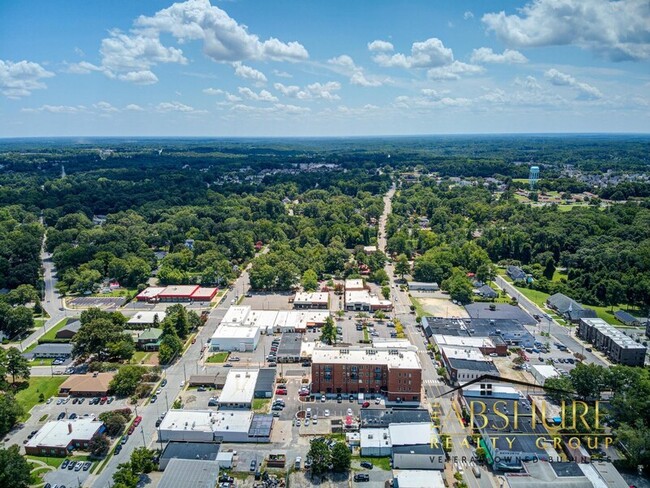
<point x="434" y="387"/>
<point x="187" y="365"/>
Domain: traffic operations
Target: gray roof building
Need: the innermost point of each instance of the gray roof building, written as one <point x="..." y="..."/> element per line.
<point x="486" y="291"/>
<point x="569" y="308"/>
<point x="499" y="311"/>
<point x="204" y="451"/>
<point x="614" y="343"/>
<point x="185" y="473"/>
<point x="69" y="330"/>
<point x="53" y="350"/>
<point x="626" y="317"/>
<point x="265" y="382"/>
<point x="371" y="417"/>
<point x="289" y="348"/>
<point x="516" y="273"/>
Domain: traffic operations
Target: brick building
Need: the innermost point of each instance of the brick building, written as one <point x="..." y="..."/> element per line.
<point x="396" y="373"/>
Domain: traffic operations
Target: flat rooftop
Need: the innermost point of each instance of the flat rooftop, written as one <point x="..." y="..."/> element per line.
<point x="316" y="297"/>
<point x="207" y="420"/>
<point x="232" y="331"/>
<point x="206" y="451"/>
<point x="412" y="478"/>
<point x="481" y="310"/>
<point x="186" y="473"/>
<point x="147" y="317"/>
<point x="236" y="314"/>
<point x="486" y="367"/>
<point x="452" y="340"/>
<point x="59" y="433"/>
<point x="376" y="417"/>
<point x="393" y="358"/>
<point x="460" y="352"/>
<point x="239" y="386"/>
<point x="290" y="344"/>
<point x="178" y="291"/>
<point x="356" y="284"/>
<point x="403" y="434"/>
<point x="364" y="296"/>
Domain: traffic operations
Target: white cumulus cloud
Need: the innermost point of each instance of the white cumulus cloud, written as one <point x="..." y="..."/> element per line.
<point x="585" y="90"/>
<point x="380" y="46"/>
<point x="427" y="54"/>
<point x="618" y="30"/>
<point x="19" y="79"/>
<point x="454" y="71"/>
<point x="325" y="91"/>
<point x="486" y="55"/>
<point x="344" y="64"/>
<point x="249" y="73"/>
<point x="262" y="96"/>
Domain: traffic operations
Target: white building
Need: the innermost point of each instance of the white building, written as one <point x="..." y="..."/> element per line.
<point x="235" y="337"/>
<point x="357" y="284"/>
<point x="375" y="442"/>
<point x="142" y="320"/>
<point x="417" y="479"/>
<point x="239" y="389"/>
<point x="269" y="321"/>
<point x="364" y="301"/>
<point x="311" y="300"/>
<point x="59" y="437"/>
<point x="213" y="426"/>
<point x="542" y="372"/>
<point x="422" y="286"/>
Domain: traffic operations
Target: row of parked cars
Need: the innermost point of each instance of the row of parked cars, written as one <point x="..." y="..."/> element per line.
<point x="77" y="466"/>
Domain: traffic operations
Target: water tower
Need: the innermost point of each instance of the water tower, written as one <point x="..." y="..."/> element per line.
<point x="533" y="176"/>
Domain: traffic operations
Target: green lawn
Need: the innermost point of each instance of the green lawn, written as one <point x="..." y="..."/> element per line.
<point x="219" y="357"/>
<point x="139" y="356"/>
<point x="50" y="335"/>
<point x="55" y="462"/>
<point x="37" y="385"/>
<point x="382" y="463"/>
<point x="366" y="336"/>
<point x="261" y="404"/>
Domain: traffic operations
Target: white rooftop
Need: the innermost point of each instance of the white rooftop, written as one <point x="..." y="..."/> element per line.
<point x="448" y="340"/>
<point x="231" y="331"/>
<point x="374" y="438"/>
<point x="262" y="318"/>
<point x="364" y="296"/>
<point x="207" y="420"/>
<point x="354" y="284"/>
<point x="417" y="478"/>
<point x="393" y="358"/>
<point x="459" y="352"/>
<point x="370" y="248"/>
<point x="387" y="343"/>
<point x="151" y="292"/>
<point x="59" y="433"/>
<point x="147" y="317"/>
<point x="546" y="370"/>
<point x="239" y="386"/>
<point x="236" y="314"/>
<point x="412" y="434"/>
<point x="305" y="298"/>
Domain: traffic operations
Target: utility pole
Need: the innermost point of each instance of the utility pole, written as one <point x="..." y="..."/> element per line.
<point x="144" y="442"/>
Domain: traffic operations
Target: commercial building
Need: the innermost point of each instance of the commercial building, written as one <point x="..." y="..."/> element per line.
<point x="422" y="286"/>
<point x="142" y="320"/>
<point x="542" y="372"/>
<point x="216" y="380"/>
<point x="499" y="311"/>
<point x="569" y="308"/>
<point x="270" y="321"/>
<point x="50" y="350"/>
<point x="204" y="451"/>
<point x="383" y="417"/>
<point x="235" y="337"/>
<point x="319" y="300"/>
<point x="264" y="386"/>
<point x="60" y="437"/>
<point x="212" y="426"/>
<point x="189" y="473"/>
<point x="391" y="372"/>
<point x="627" y="318"/>
<point x="465" y="364"/>
<point x="364" y="301"/>
<point x="289" y="350"/>
<point x="149" y="339"/>
<point x="356" y="284"/>
<point x="239" y="390"/>
<point x="86" y="385"/>
<point x="542" y="474"/>
<point x="299" y="320"/>
<point x="484" y="344"/>
<point x="501" y="331"/>
<point x="69" y="330"/>
<point x="417" y="479"/>
<point x="618" y="347"/>
<point x="177" y="293"/>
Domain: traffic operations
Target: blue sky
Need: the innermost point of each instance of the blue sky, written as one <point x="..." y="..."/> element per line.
<point x="315" y="68"/>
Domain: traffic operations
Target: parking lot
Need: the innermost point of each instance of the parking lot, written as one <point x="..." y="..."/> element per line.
<point x="67" y="477"/>
<point x="101" y="302"/>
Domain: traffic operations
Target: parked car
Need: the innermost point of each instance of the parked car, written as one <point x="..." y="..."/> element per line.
<point x="322" y="398"/>
<point x="87" y="465"/>
<point x="339" y="398"/>
<point x="61" y="416"/>
<point x="64" y="464"/>
<point x="118" y="448"/>
<point x="280" y="392"/>
<point x="159" y="421"/>
<point x="153" y="399"/>
<point x="326" y="413"/>
<point x="201" y="388"/>
<point x="367" y="464"/>
<point x="365" y="405"/>
<point x="137" y="420"/>
<point x="124" y="439"/>
<point x="253" y="466"/>
<point x="351" y="398"/>
<point x="349" y="412"/>
<point x="72" y="416"/>
<point x="360" y="477"/>
<point x="163" y="382"/>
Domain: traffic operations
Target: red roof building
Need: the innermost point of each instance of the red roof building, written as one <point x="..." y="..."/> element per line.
<point x="204" y="294"/>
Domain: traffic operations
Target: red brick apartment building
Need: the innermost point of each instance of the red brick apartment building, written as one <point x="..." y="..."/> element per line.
<point x="395" y="373"/>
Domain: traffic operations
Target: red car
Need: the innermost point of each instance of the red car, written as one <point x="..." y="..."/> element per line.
<point x="137" y="420"/>
<point x="280" y="392"/>
<point x="302" y="393"/>
<point x="365" y="405"/>
<point x="131" y="429"/>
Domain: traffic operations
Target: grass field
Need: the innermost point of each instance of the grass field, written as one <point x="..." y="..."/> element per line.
<point x="139" y="356"/>
<point x="55" y="462"/>
<point x="219" y="357"/>
<point x="419" y="310"/>
<point x="37" y="385"/>
<point x="50" y="335"/>
<point x="382" y="463"/>
<point x="261" y="404"/>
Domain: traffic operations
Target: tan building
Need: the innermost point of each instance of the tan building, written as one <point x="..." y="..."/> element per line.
<point x="86" y="385"/>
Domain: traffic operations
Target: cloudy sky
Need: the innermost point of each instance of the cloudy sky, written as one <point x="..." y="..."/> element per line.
<point x="321" y="68"/>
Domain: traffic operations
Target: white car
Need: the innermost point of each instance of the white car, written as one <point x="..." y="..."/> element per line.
<point x="182" y="383"/>
<point x="296" y="422"/>
<point x="314" y="421"/>
<point x="322" y="398"/>
<point x="315" y="417"/>
<point x="306" y="422"/>
<point x="308" y="412"/>
<point x="349" y="411"/>
<point x="377" y="401"/>
<point x="327" y="413"/>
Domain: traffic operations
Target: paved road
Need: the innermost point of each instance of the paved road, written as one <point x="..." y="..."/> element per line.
<point x="432" y="384"/>
<point x="180" y="371"/>
<point x="560" y="333"/>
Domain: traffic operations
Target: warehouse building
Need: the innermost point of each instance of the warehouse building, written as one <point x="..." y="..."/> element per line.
<point x="465" y="364"/>
<point x="189" y="473"/>
<point x="422" y="286"/>
<point x="269" y="321"/>
<point x="204" y="451"/>
<point x="60" y="437"/>
<point x="364" y="301"/>
<point x="486" y="345"/>
<point x="507" y="331"/>
<point x="618" y="347"/>
<point x="264" y="386"/>
<point x="239" y="390"/>
<point x="212" y="426"/>
<point x="542" y="372"/>
<point x="235" y="337"/>
<point x="392" y="372"/>
<point x="177" y="293"/>
<point x="50" y="350"/>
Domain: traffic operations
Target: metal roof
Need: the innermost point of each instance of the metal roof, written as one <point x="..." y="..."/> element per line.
<point x="185" y="473"/>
